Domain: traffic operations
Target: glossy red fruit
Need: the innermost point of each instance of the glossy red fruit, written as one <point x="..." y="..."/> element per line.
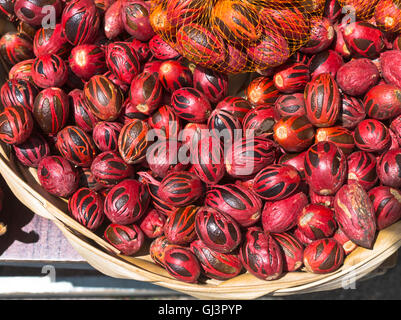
<point x="57" y="176"/>
<point x="259" y="121"/>
<point x="80" y="22"/>
<point x="316" y="221"/>
<point x="126" y="202"/>
<point x="132" y="141"/>
<point x="128" y="239"/>
<point x="135" y="18"/>
<point x="213" y="84"/>
<point x="293" y="251"/>
<point x="83" y="116"/>
<point x="237" y="106"/>
<point x="328" y="61"/>
<point x="86" y="206"/>
<point x="276" y="182"/>
<point x="152" y="224"/>
<point x="218" y="231"/>
<point x="18" y="92"/>
<point x="340" y="136"/>
<point x="113" y="23"/>
<point x="249" y="155"/>
<point x="372" y="136"/>
<point x="180" y="225"/>
<point x="389" y="65"/>
<point x="22" y="70"/>
<point x="321" y="35"/>
<point x="182" y="264"/>
<point x="387" y="205"/>
<point x="290" y="105"/>
<point x="294" y="133"/>
<point x="114" y="79"/>
<point x="105" y="135"/>
<point x="216" y="265"/>
<point x="323" y="256"/>
<point x="32" y="150"/>
<point x="389" y="168"/>
<point x="281" y="215"/>
<point x="50" y="41"/>
<point x="51" y="110"/>
<point x="355" y="214"/>
<point x="146" y="92"/>
<point x="165" y="123"/>
<point x="174" y="74"/>
<point x="322" y="101"/>
<point x="357" y="76"/>
<point x="35" y="12"/>
<point x="236" y="201"/>
<point x="325" y="168"/>
<point x="224" y="127"/>
<point x="76" y="146"/>
<point x="352" y="112"/>
<point x="104" y="98"/>
<point x="49" y="71"/>
<point x="291" y="78"/>
<point x="16" y="124"/>
<point x="261" y="90"/>
<point x="296" y="160"/>
<point x="363" y="39"/>
<point x="180" y="188"/>
<point x="190" y="104"/>
<point x="383" y="102"/>
<point x="15" y="47"/>
<point x="261" y="255"/>
<point x="362" y="168"/>
<point x="87" y="60"/>
<point x="161" y="49"/>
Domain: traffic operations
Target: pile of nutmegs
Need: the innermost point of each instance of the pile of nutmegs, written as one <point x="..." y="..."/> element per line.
<point x="300" y="171"/>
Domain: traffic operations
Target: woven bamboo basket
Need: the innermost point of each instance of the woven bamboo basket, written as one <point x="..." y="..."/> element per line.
<point x="108" y="260"/>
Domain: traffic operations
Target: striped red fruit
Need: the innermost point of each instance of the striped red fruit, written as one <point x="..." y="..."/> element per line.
<point x="152" y="224"/>
<point x="83" y="116"/>
<point x="224" y="127"/>
<point x="165" y="123"/>
<point x="34" y="12"/>
<point x="332" y="10"/>
<point x="235" y="105"/>
<point x="190" y="104"/>
<point x="142" y="50"/>
<point x="158" y="249"/>
<point x="50" y="41"/>
<point x="261" y="255"/>
<point x="276" y="182"/>
<point x="87" y="180"/>
<point x="316" y="221"/>
<point x="146" y="92"/>
<point x="328" y="61"/>
<point x="383" y="102"/>
<point x="291" y="78"/>
<point x="325" y="168"/>
<point x="217" y="230"/>
<point x="352" y="112"/>
<point x="236" y="201"/>
<point x="290" y="105"/>
<point x="259" y="121"/>
<point x="362" y="168"/>
<point x="261" y="91"/>
<point x="389" y="168"/>
<point x="322" y="100"/>
<point x="132" y="141"/>
<point x="87" y="60"/>
<point x="21" y="70"/>
<point x="16" y="124"/>
<point x="128" y="239"/>
<point x="126" y="202"/>
<point x="293" y="251"/>
<point x="180" y="12"/>
<point x="213" y="84"/>
<point x="161" y="49"/>
<point x="355" y="214"/>
<point x="135" y="18"/>
<point x="216" y="265"/>
<point x="323" y="256"/>
<point x="341" y="137"/>
<point x="182" y="264"/>
<point x="321" y="35"/>
<point x="18" y="92"/>
<point x="86" y="206"/>
<point x="15" y="47"/>
<point x="105" y="135"/>
<point x="372" y="136"/>
<point x="180" y="225"/>
<point x="49" y="71"/>
<point x="32" y="150"/>
<point x="387" y="15"/>
<point x="387" y="205"/>
<point x="174" y="74"/>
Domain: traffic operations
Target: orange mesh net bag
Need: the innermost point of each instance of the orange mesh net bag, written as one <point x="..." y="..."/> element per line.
<point x="235" y="36"/>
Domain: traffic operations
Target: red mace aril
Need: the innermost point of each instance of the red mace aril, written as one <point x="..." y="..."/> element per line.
<point x="259" y="121"/>
<point x="316" y="198"/>
<point x="332" y="10"/>
<point x="216" y="265"/>
<point x="346" y="243"/>
<point x="296" y="160"/>
<point x="182" y="264"/>
<point x="249" y="155"/>
<point x="236" y="201"/>
<point x="390" y="67"/>
<point x="49" y="71"/>
<point x="152" y="224"/>
<point x="218" y="231"/>
<point x="276" y="182"/>
<point x="321" y="36"/>
<point x="325" y="168"/>
<point x="50" y="41"/>
<point x="109" y="169"/>
<point x="83" y="116"/>
<point x="76" y="146"/>
<point x="105" y="135"/>
<point x="174" y="75"/>
<point x="213" y="84"/>
<point x="32" y="150"/>
<point x="237" y="106"/>
<point x="126" y="202"/>
<point x="142" y="50"/>
<point x="316" y="221"/>
<point x="261" y="90"/>
<point x="158" y="249"/>
<point x="180" y="188"/>
<point x="224" y="127"/>
<point x="341" y="137"/>
<point x="16" y="124"/>
<point x="22" y="71"/>
<point x="293" y="251"/>
<point x="161" y="49"/>
<point x="180" y="225"/>
<point x="113" y="24"/>
<point x="355" y="214"/>
<point x="35" y="12"/>
<point x="146" y="92"/>
<point x="191" y="105"/>
<point x="128" y="239"/>
<point x="18" y="92"/>
<point x="387" y="205"/>
<point x="135" y="18"/>
<point x="387" y="15"/>
<point x="165" y="123"/>
<point x="86" y="206"/>
<point x="280" y="216"/>
<point x="362" y="168"/>
<point x="323" y="256"/>
<point x="363" y="39"/>
<point x="15" y="47"/>
<point x="352" y="112"/>
<point x="389" y="168"/>
<point x="87" y="180"/>
<point x="132" y="141"/>
<point x="322" y="101"/>
<point x="114" y="79"/>
<point x="372" y="136"/>
<point x="290" y="105"/>
<point x="383" y="102"/>
<point x="291" y="78"/>
<point x="357" y="76"/>
<point x="301" y="237"/>
<point x="328" y="61"/>
<point x="57" y="176"/>
<point x="87" y="60"/>
<point x="294" y="133"/>
<point x="261" y="255"/>
<point x="104" y="98"/>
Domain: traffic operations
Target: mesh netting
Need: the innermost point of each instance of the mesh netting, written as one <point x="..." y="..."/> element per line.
<point x="234" y="36"/>
<point x="363" y="9"/>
